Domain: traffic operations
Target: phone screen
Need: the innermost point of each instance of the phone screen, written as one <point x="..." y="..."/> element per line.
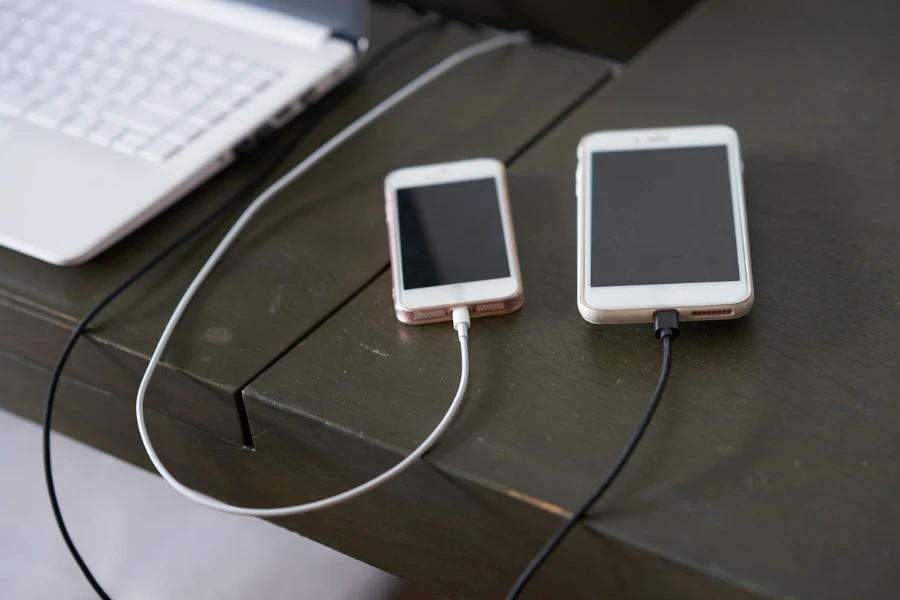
<point x="451" y="233"/>
<point x="662" y="216"/>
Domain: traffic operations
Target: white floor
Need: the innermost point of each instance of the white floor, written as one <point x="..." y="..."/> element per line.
<point x="143" y="541"/>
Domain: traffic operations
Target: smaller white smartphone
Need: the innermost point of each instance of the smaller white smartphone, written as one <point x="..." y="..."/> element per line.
<point x="662" y="225"/>
<point x="452" y="242"/>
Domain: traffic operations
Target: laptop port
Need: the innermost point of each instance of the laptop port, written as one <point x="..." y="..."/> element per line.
<point x="247" y="145"/>
<point x="284" y="115"/>
<point x="310" y="97"/>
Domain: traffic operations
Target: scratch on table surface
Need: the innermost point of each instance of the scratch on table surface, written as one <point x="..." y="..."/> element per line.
<point x="218" y="335"/>
<point x="277" y="297"/>
<point x="263" y="432"/>
<point x="375" y="351"/>
<point x="495" y="447"/>
<point x="541" y="504"/>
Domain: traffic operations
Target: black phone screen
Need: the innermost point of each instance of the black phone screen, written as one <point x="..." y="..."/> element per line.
<point x="451" y="233"/>
<point x="662" y="216"/>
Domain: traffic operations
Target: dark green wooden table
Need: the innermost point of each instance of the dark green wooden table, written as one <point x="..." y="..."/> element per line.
<point x="771" y="470"/>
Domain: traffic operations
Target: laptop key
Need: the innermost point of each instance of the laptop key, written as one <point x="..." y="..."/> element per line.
<point x="132" y="138"/>
<point x="160" y="150"/>
<point x="14" y="103"/>
<point x="250" y="82"/>
<point x="264" y="73"/>
<point x="48" y="71"/>
<point x="164" y="45"/>
<point x="138" y="76"/>
<point x="79" y="124"/>
<point x="40" y="52"/>
<point x="29" y="25"/>
<point x="135" y="118"/>
<point x="124" y="148"/>
<point x="104" y="133"/>
<point x="15" y="81"/>
<point x="167" y="87"/>
<point x="49" y="10"/>
<point x="27" y="66"/>
<point x="87" y="67"/>
<point x="101" y="47"/>
<point x="16" y="45"/>
<point x="187" y="53"/>
<point x="75" y="80"/>
<point x="229" y="99"/>
<point x="128" y="94"/>
<point x="48" y="115"/>
<point x="213" y="58"/>
<point x="237" y="65"/>
<point x="94" y="24"/>
<point x="197" y="91"/>
<point x="140" y="39"/>
<point x="54" y="32"/>
<point x="117" y="32"/>
<point x="65" y="96"/>
<point x="71" y="18"/>
<point x="150" y="61"/>
<point x="212" y="74"/>
<point x="184" y="132"/>
<point x="41" y="88"/>
<point x="206" y="115"/>
<point x="173" y="106"/>
<point x="91" y="104"/>
<point x="116" y="72"/>
<point x="125" y="53"/>
<point x="78" y="40"/>
<point x="101" y="86"/>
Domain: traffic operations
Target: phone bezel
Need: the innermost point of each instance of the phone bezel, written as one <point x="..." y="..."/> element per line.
<point x="460" y="294"/>
<point x="598" y="301"/>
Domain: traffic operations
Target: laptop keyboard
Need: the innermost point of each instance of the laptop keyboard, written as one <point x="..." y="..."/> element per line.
<point x="113" y="84"/>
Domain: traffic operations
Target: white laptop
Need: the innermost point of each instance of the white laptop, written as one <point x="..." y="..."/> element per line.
<point x="111" y="110"/>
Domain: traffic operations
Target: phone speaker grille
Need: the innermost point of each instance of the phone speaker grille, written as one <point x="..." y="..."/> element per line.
<point x="431" y="315"/>
<point x="725" y="312"/>
<point x="489" y="307"/>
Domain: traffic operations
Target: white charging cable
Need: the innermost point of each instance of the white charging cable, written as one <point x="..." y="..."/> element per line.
<point x="460" y="318"/>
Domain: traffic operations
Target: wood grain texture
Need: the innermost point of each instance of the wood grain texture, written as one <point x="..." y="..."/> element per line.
<point x="772" y="463"/>
<point x="318" y="243"/>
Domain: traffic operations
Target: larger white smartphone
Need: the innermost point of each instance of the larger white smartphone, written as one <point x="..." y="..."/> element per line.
<point x="452" y="242"/>
<point x="662" y="225"/>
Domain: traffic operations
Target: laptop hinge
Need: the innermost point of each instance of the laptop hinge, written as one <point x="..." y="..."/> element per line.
<point x="243" y="17"/>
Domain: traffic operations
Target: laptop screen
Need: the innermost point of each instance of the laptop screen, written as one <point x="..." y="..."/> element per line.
<point x="346" y="18"/>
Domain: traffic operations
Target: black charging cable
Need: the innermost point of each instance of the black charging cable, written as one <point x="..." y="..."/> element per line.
<point x="666" y="329"/>
<point x="241" y="196"/>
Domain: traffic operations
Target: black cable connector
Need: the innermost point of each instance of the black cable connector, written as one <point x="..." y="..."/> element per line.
<point x="666" y="326"/>
<point x="666" y="323"/>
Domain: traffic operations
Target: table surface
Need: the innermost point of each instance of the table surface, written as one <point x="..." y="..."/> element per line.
<point x="770" y="470"/>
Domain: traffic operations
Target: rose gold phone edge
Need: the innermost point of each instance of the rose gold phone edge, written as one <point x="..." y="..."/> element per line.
<point x="481" y="308"/>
